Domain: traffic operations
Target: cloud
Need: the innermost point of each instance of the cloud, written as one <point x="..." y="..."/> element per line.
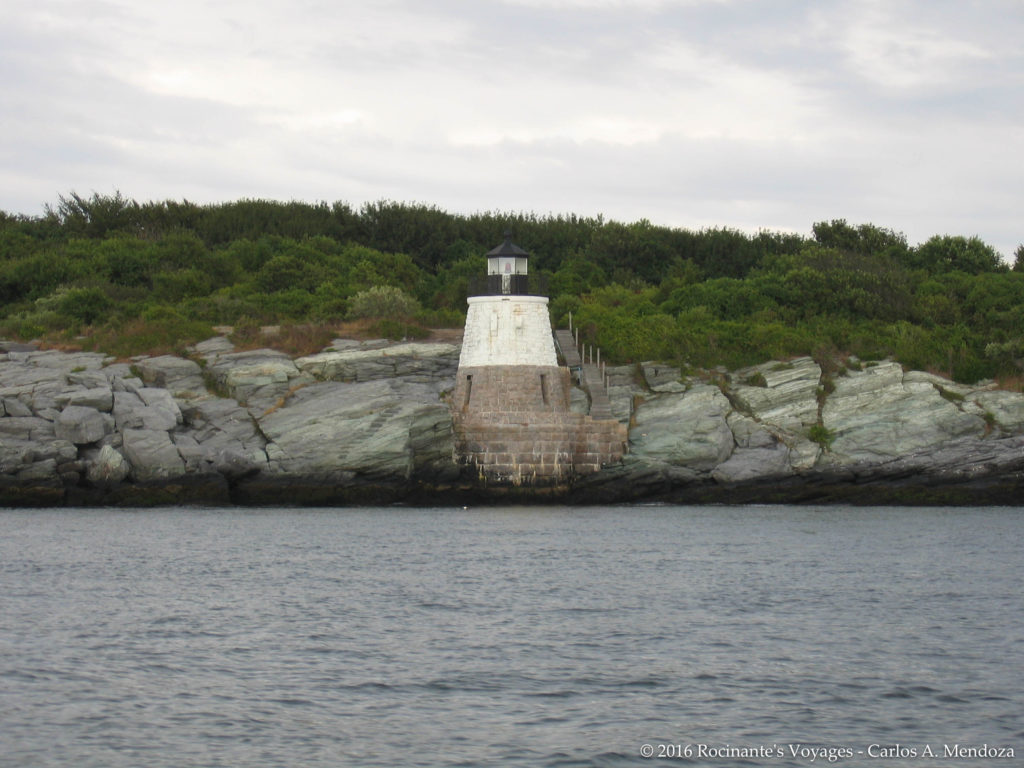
<point x="692" y="113"/>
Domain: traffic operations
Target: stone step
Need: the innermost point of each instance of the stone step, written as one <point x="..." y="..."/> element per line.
<point x="600" y="405"/>
<point x="590" y="376"/>
<point x="567" y="348"/>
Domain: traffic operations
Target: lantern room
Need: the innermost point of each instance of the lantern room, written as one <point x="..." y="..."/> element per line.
<point x="506" y="268"/>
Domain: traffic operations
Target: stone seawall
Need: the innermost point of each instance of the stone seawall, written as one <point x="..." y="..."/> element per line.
<point x="536" y="448"/>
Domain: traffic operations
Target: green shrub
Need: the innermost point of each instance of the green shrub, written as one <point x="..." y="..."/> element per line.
<point x="382" y="301"/>
<point x="175" y="286"/>
<point x="84" y="305"/>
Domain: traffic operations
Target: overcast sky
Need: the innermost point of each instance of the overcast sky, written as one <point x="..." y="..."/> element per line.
<point x="752" y="114"/>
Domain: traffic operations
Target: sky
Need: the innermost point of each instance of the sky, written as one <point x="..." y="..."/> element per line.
<point x="747" y="114"/>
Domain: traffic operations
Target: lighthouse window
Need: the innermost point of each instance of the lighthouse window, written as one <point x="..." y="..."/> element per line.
<point x="544" y="388"/>
<point x="469" y="389"/>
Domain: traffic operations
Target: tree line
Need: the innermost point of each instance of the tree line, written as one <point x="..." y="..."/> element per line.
<point x="130" y="275"/>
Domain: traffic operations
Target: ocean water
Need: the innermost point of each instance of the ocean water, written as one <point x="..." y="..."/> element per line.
<point x="784" y="636"/>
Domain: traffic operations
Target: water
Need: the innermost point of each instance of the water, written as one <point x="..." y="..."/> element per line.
<point x="533" y="637"/>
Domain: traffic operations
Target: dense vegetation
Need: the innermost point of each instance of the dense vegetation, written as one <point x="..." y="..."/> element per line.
<point x="133" y="277"/>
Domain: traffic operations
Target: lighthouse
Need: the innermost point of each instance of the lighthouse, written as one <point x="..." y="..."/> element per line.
<point x="510" y="405"/>
<point x="508" y="362"/>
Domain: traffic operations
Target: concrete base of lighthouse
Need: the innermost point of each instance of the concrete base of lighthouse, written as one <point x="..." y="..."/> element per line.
<point x="510" y="406"/>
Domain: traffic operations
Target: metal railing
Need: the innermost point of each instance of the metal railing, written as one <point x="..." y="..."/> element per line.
<point x="508" y="285"/>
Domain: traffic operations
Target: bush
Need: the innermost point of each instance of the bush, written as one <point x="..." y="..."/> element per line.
<point x="84" y="305"/>
<point x="159" y="331"/>
<point x="384" y="301"/>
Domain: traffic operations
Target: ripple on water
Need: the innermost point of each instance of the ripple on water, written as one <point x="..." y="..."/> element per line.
<point x="535" y="637"/>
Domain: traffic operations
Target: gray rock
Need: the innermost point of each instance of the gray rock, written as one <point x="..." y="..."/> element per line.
<point x="876" y="417"/>
<point x="753" y="464"/>
<point x="108" y="467"/>
<point x="67" y="361"/>
<point x="127" y="410"/>
<point x="152" y="455"/>
<point x="366" y="428"/>
<point x="1005" y="409"/>
<point x="804" y="454"/>
<point x="234" y="464"/>
<point x="688" y="430"/>
<point x="623" y="376"/>
<point x="161" y="411"/>
<point x="149" y="409"/>
<point x="191" y="453"/>
<point x="212" y="348"/>
<point x="91" y="379"/>
<point x="13" y="455"/>
<point x="413" y="361"/>
<point x="221" y="426"/>
<point x="81" y="425"/>
<point x="117" y="371"/>
<point x="341" y="345"/>
<point x="40" y="471"/>
<point x="749" y="433"/>
<point x="17" y="379"/>
<point x="45" y="396"/>
<point x="61" y="451"/>
<point x="26" y="428"/>
<point x="259" y="379"/>
<point x="181" y="377"/>
<point x="789" y="401"/>
<point x="14" y="407"/>
<point x="620" y="399"/>
<point x="101" y="398"/>
<point x="659" y="375"/>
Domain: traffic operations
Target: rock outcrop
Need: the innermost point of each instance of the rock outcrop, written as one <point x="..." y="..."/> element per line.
<point x="369" y="423"/>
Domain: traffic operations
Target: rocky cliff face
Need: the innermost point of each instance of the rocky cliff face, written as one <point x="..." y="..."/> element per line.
<point x="369" y="423"/>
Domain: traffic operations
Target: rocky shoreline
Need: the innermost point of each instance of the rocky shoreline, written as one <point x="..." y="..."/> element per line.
<point x="368" y="423"/>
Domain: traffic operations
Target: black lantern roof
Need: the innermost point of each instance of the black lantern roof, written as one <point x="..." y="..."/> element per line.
<point x="508" y="248"/>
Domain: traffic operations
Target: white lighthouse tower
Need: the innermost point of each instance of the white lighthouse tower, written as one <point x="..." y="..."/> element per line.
<point x="510" y="406"/>
<point x="508" y="362"/>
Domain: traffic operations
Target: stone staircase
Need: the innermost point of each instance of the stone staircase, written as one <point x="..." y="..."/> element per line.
<point x="590" y="375"/>
<point x="567" y="348"/>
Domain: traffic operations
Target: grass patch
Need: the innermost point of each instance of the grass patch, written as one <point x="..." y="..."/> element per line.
<point x="822" y="435"/>
<point x="946" y="394"/>
<point x="397" y="330"/>
<point x="756" y="380"/>
<point x="295" y="340"/>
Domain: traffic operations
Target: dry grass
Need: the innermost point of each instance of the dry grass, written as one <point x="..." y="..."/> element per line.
<point x="283" y="399"/>
<point x="293" y="340"/>
<point x="1013" y="382"/>
<point x="308" y="339"/>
